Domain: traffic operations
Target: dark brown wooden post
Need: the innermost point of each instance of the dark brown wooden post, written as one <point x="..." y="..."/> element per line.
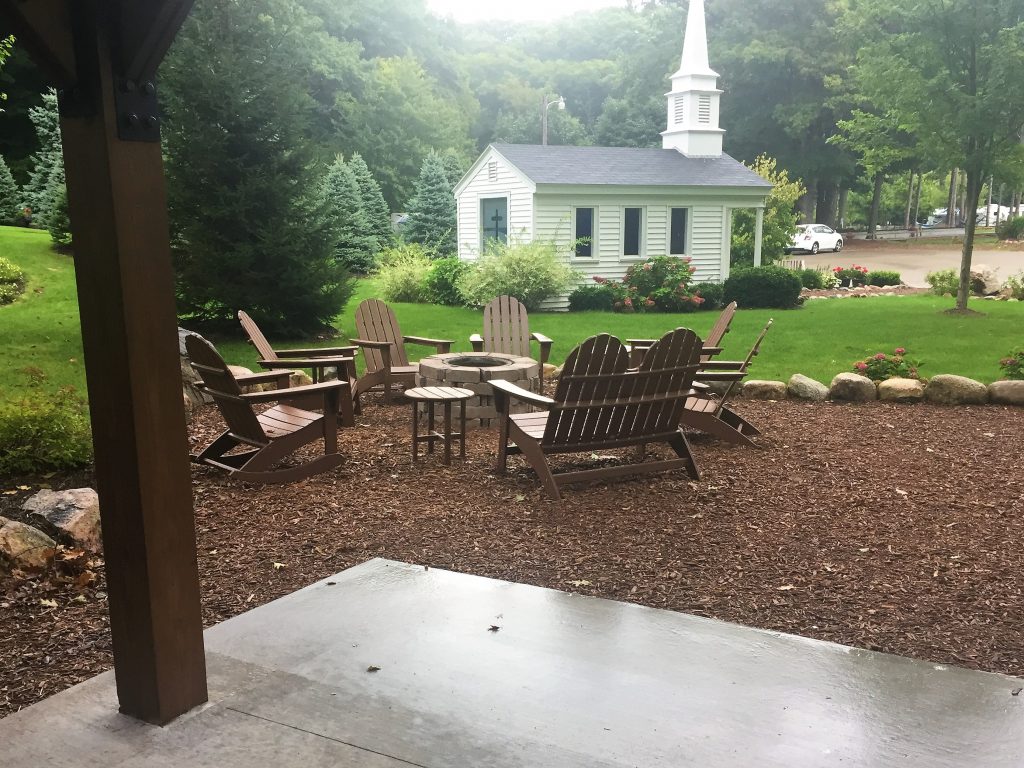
<point x="126" y="298"/>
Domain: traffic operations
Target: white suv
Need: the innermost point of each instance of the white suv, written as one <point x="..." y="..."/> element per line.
<point x="814" y="238"/>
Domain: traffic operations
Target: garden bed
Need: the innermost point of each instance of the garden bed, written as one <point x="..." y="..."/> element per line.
<point x="889" y="528"/>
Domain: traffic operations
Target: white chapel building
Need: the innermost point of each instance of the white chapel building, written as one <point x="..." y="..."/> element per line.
<point x="620" y="205"/>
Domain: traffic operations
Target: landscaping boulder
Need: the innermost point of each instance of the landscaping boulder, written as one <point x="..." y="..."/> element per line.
<point x="853" y="387"/>
<point x="947" y="389"/>
<point x="24" y="547"/>
<point x="899" y="390"/>
<point x="549" y="370"/>
<point x="758" y="389"/>
<point x="984" y="280"/>
<point x="301" y="378"/>
<point x="75" y="512"/>
<point x="805" y="388"/>
<point x="1006" y="392"/>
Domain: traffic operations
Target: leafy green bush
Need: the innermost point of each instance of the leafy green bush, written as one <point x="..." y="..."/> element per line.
<point x="443" y="278"/>
<point x="403" y="273"/>
<point x="752" y="287"/>
<point x="812" y="278"/>
<point x="1015" y="284"/>
<point x="532" y="272"/>
<point x="1011" y="229"/>
<point x="44" y="432"/>
<point x="1012" y="366"/>
<point x="597" y="297"/>
<point x="12" y="281"/>
<point x="851" y="276"/>
<point x="712" y="293"/>
<point x="883" y="277"/>
<point x="881" y="366"/>
<point x="943" y="281"/>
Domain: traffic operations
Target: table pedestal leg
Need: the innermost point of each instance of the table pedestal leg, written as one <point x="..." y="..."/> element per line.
<point x="415" y="429"/>
<point x="462" y="430"/>
<point x="448" y="432"/>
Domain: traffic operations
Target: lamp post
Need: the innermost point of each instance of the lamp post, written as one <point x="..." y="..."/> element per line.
<point x="544" y="115"/>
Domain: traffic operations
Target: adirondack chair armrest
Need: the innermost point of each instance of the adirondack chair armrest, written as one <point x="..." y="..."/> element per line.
<point x="503" y="390"/>
<point x="541" y="339"/>
<point x="711" y="350"/>
<point x="721" y="365"/>
<point x="442" y="345"/>
<point x="314" y="362"/>
<point x="719" y="376"/>
<point x="293" y="392"/>
<point x="318" y="352"/>
<point x="266" y="377"/>
<point x="371" y="344"/>
<point x="477" y="341"/>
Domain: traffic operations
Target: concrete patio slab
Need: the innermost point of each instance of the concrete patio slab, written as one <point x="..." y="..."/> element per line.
<point x="478" y="672"/>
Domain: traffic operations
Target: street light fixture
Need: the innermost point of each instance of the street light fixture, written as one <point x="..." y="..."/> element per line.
<point x="560" y="101"/>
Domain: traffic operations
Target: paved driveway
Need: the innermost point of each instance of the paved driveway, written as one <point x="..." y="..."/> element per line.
<point x="914" y="263"/>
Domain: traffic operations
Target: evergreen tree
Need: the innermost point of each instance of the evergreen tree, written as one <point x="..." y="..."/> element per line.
<point x="375" y="208"/>
<point x="355" y="244"/>
<point x="251" y="226"/>
<point x="58" y="221"/>
<point x="47" y="162"/>
<point x="454" y="167"/>
<point x="10" y="196"/>
<point x="432" y="211"/>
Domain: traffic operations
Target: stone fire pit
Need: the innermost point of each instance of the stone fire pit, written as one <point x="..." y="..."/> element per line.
<point x="472" y="371"/>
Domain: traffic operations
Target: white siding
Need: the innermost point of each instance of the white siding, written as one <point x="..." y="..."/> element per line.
<point x="486" y="183"/>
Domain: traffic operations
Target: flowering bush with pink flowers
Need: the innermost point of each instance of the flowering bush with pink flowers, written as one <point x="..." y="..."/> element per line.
<point x="658" y="284"/>
<point x="851" y="276"/>
<point x="1012" y="366"/>
<point x="881" y="366"/>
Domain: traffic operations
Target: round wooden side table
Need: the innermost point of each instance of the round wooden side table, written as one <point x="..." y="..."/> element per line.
<point x="432" y="396"/>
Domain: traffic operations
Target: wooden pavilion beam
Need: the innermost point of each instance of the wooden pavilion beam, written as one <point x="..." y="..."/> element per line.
<point x="119" y="223"/>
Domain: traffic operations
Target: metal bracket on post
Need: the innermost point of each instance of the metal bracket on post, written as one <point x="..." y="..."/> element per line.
<point x="137" y="110"/>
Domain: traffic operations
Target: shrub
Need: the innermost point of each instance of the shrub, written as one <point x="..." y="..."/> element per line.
<point x="1011" y="229"/>
<point x="851" y="276"/>
<point x="12" y="281"/>
<point x="1015" y="286"/>
<point x="812" y="278"/>
<point x="599" y="297"/>
<point x="403" y="273"/>
<point x="443" y="278"/>
<point x="665" y="281"/>
<point x="44" y="432"/>
<point x="532" y="272"/>
<point x="752" y="287"/>
<point x="1012" y="366"/>
<point x="712" y="293"/>
<point x="881" y="366"/>
<point x="58" y="223"/>
<point x="944" y="281"/>
<point x="883" y="277"/>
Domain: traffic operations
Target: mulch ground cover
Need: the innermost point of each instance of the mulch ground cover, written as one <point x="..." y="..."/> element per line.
<point x="892" y="528"/>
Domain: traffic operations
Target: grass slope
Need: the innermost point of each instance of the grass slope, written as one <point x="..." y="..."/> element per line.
<point x="40" y="344"/>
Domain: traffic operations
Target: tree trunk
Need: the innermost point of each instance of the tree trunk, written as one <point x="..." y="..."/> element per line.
<point x="807" y="202"/>
<point x="917" y="200"/>
<point x="951" y="200"/>
<point x="844" y="193"/>
<point x="910" y="201"/>
<point x="974" y="182"/>
<point x="988" y="206"/>
<point x="876" y="198"/>
<point x="827" y="205"/>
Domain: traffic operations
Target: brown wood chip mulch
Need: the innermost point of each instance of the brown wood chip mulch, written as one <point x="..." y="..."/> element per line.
<point x="893" y="528"/>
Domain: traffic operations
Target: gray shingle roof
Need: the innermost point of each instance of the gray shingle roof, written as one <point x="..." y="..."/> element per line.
<point x="626" y="166"/>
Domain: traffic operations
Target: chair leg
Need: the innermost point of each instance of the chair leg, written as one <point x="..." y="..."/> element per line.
<point x="681" y="446"/>
<point x="502" y="464"/>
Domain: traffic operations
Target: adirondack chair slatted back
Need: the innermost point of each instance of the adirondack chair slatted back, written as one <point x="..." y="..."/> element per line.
<point x="256" y="337"/>
<point x="598" y="400"/>
<point x="222" y="387"/>
<point x="375" y="321"/>
<point x="719" y="329"/>
<point x="506" y="327"/>
<point x="748" y="359"/>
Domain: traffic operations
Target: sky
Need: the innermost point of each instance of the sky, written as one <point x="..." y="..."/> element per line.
<point x="520" y="10"/>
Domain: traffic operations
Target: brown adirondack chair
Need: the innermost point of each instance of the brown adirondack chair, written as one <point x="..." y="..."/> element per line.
<point x="712" y="342"/>
<point x="383" y="348"/>
<point x="712" y="414"/>
<point x="601" y="403"/>
<point x="507" y="331"/>
<point x="316" y="359"/>
<point x="271" y="435"/>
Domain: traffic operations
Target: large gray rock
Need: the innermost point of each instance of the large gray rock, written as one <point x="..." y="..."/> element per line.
<point x="1006" y="392"/>
<point x="805" y="388"/>
<point x="899" y="390"/>
<point x="759" y="389"/>
<point x="985" y="279"/>
<point x="948" y="389"/>
<point x="24" y="547"/>
<point x="853" y="387"/>
<point x="76" y="512"/>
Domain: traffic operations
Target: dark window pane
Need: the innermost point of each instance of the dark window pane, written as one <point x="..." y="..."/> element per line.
<point x="631" y="237"/>
<point x="677" y="236"/>
<point x="494" y="219"/>
<point x="584" y="232"/>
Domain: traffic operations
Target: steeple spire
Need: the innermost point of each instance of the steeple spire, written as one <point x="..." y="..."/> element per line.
<point x="693" y="101"/>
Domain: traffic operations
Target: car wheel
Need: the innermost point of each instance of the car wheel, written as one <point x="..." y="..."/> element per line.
<point x="814" y="248"/>
<point x="839" y="245"/>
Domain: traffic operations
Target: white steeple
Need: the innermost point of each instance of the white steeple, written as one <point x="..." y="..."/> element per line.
<point x="693" y="101"/>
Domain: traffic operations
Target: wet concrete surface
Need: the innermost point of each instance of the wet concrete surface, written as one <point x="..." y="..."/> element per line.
<point x="478" y="672"/>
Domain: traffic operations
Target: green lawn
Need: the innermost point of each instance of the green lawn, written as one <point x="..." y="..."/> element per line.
<point x="39" y="332"/>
